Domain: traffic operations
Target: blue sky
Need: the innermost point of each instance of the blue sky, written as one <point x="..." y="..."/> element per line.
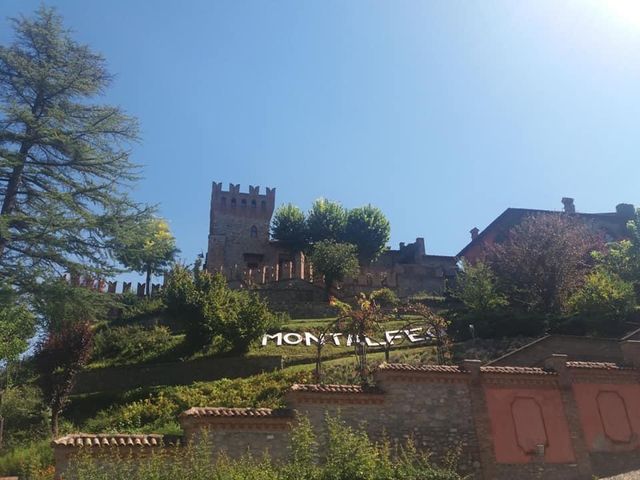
<point x="442" y="113"/>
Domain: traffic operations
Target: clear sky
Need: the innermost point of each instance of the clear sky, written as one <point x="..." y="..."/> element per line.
<point x="442" y="113"/>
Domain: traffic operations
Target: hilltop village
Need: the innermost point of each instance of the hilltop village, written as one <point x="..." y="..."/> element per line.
<point x="444" y="353"/>
<point x="301" y="345"/>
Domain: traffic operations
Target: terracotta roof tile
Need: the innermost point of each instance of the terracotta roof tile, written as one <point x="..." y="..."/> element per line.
<point x="518" y="370"/>
<point x="421" y="368"/>
<point x="459" y="369"/>
<point x="596" y="365"/>
<point x="237" y="412"/>
<point x="108" y="440"/>
<point x="317" y="388"/>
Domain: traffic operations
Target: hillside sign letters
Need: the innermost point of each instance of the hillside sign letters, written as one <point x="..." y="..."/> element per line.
<point x="412" y="335"/>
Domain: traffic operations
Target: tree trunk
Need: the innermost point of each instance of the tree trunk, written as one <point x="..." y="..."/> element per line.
<point x="318" y="372"/>
<point x="11" y="193"/>
<point x="148" y="288"/>
<point x="1" y="432"/>
<point x="54" y="423"/>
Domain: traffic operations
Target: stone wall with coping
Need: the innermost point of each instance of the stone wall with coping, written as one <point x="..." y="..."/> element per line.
<point x="566" y="420"/>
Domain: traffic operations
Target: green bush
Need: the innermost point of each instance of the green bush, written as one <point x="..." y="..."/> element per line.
<point x="132" y="344"/>
<point x="27" y="461"/>
<point x="604" y="300"/>
<point x="159" y="410"/>
<point x="477" y="288"/>
<point x="132" y="307"/>
<point x="209" y="310"/>
<point x="24" y="414"/>
<point x="385" y="297"/>
<point x="350" y="455"/>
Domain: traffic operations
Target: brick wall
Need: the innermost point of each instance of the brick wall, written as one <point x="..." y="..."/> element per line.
<point x="566" y="420"/>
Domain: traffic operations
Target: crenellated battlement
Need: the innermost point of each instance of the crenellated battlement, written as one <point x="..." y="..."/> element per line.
<point x="240" y="204"/>
<point x="234" y="192"/>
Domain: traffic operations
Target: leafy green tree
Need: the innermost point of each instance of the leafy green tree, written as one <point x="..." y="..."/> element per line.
<point x="64" y="157"/>
<point x="605" y="299"/>
<point x="623" y="257"/>
<point x="369" y="230"/>
<point x="289" y="227"/>
<point x="544" y="260"/>
<point x="17" y="326"/>
<point x="477" y="288"/>
<point x="334" y="261"/>
<point x="326" y="221"/>
<point x="148" y="248"/>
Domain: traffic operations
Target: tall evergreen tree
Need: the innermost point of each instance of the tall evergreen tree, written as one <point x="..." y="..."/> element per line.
<point x="64" y="158"/>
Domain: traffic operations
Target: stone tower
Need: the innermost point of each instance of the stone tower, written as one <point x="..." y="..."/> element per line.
<point x="239" y="228"/>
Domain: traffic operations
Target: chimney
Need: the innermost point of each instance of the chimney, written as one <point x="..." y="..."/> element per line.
<point x="474" y="233"/>
<point x="626" y="210"/>
<point x="569" y="207"/>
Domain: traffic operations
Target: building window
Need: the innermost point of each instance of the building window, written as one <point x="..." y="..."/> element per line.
<point x="253" y="204"/>
<point x="233" y="203"/>
<point x="254" y="232"/>
<point x="243" y="202"/>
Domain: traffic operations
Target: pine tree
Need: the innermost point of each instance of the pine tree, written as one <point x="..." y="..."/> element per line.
<point x="64" y="157"/>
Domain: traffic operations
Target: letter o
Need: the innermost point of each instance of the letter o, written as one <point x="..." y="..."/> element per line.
<point x="288" y="336"/>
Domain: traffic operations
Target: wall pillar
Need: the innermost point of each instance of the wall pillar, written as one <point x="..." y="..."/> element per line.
<point x="481" y="419"/>
<point x="558" y="363"/>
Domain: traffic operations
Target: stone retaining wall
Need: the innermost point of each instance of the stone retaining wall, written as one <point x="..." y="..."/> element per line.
<point x="566" y="420"/>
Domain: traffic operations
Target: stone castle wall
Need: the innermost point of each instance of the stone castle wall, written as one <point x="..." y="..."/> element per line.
<point x="240" y="248"/>
<point x="568" y="420"/>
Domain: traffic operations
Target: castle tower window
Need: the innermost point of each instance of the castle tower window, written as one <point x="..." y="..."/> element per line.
<point x="263" y="205"/>
<point x="244" y="202"/>
<point x="254" y="232"/>
<point x="253" y="204"/>
<point x="233" y="203"/>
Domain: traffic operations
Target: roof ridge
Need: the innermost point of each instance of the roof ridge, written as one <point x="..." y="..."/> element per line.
<point x="244" y="412"/>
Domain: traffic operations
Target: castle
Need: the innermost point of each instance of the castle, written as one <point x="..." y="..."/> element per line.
<point x="240" y="248"/>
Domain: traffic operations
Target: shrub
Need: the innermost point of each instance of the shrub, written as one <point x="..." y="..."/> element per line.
<point x="159" y="410"/>
<point x="133" y="307"/>
<point x="24" y="414"/>
<point x="208" y="308"/>
<point x="132" y="343"/>
<point x="28" y="461"/>
<point x="477" y="289"/>
<point x="350" y="456"/>
<point x="604" y="300"/>
<point x="385" y="297"/>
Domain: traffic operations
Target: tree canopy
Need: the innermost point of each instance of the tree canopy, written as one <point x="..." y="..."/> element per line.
<point x="369" y="230"/>
<point x="64" y="157"/>
<point x="326" y="221"/>
<point x="148" y="248"/>
<point x="334" y="261"/>
<point x="366" y="228"/>
<point x="289" y="226"/>
<point x="544" y="260"/>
